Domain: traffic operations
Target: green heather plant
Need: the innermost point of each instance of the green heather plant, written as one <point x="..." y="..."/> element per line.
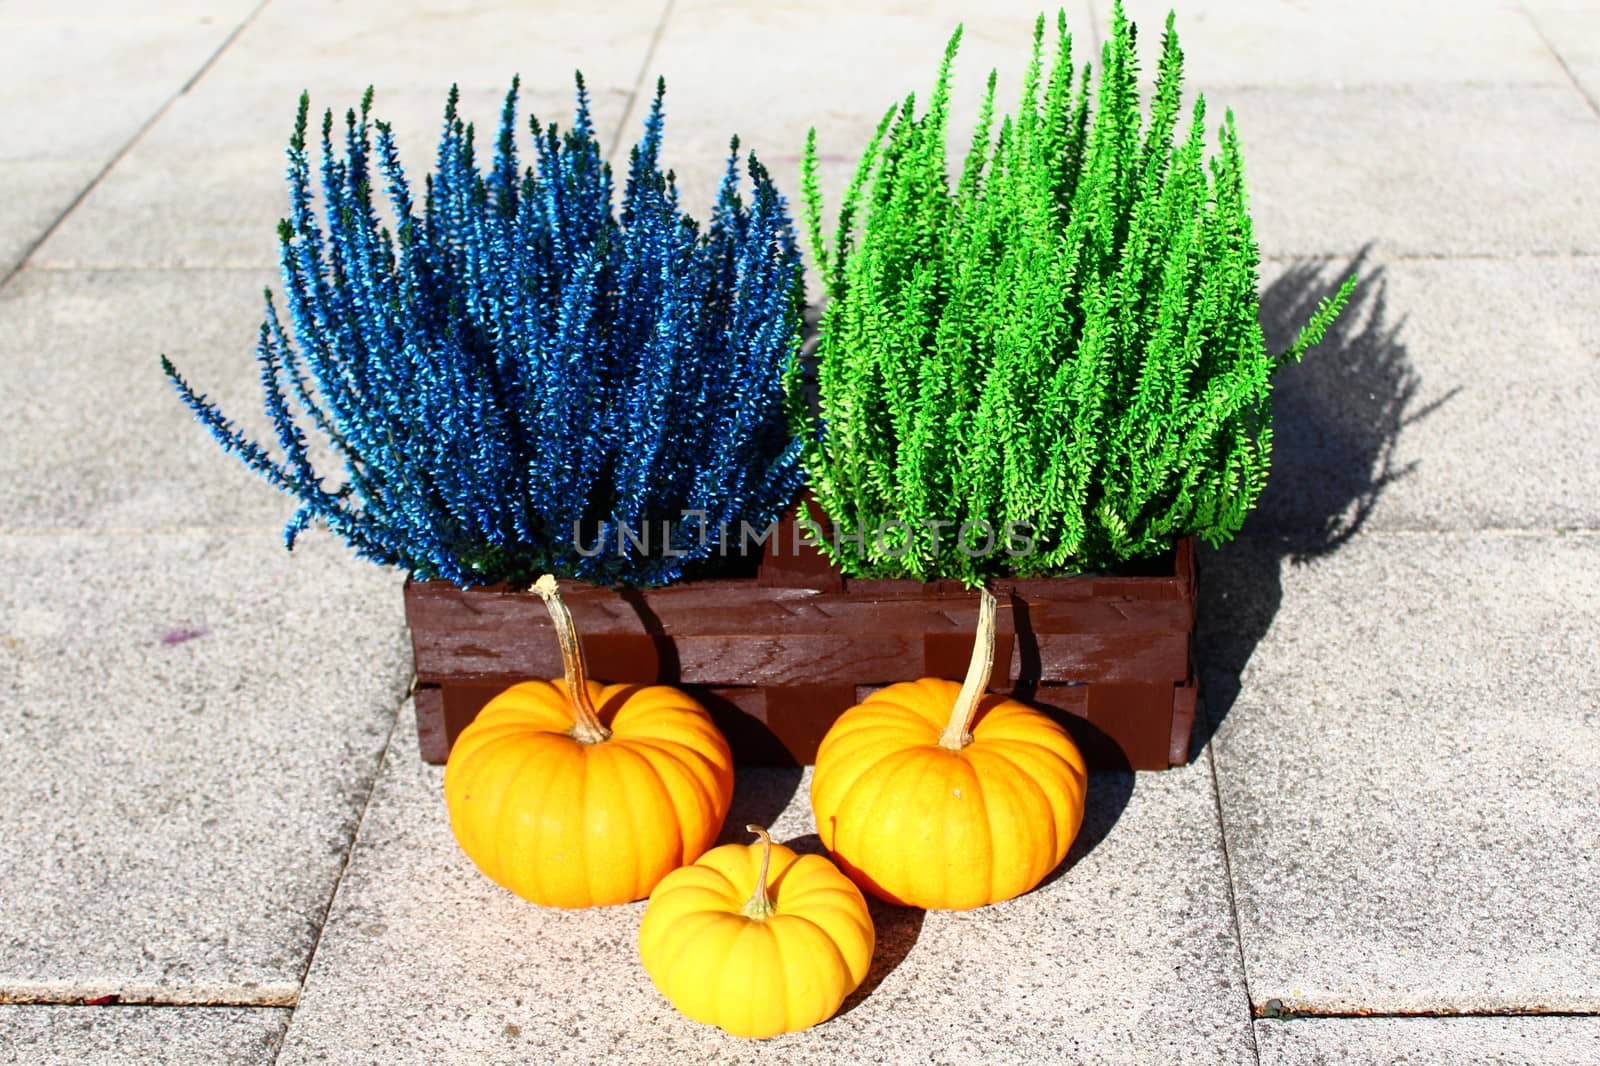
<point x="1059" y="348"/>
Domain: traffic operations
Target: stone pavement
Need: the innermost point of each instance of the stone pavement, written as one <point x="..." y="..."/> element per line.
<point x="217" y="843"/>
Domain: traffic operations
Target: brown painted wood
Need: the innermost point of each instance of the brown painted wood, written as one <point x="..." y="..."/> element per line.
<point x="779" y="656"/>
<point x="765" y="658"/>
<point x="784" y="726"/>
<point x="1185" y="702"/>
<point x="1137" y="715"/>
<point x="758" y="658"/>
<point x="434" y="735"/>
<point x="477" y="623"/>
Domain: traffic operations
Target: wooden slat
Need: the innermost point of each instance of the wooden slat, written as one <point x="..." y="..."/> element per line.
<point x="814" y="658"/>
<point x="1117" y="726"/>
<point x="434" y="737"/>
<point x="1185" y="701"/>
<point x="778" y="657"/>
<point x="691" y="611"/>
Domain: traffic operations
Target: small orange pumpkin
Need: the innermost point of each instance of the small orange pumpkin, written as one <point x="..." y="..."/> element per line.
<point x="775" y="960"/>
<point x="575" y="794"/>
<point x="932" y="794"/>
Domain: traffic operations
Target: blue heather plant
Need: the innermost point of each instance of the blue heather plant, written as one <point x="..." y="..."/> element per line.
<point x="518" y="363"/>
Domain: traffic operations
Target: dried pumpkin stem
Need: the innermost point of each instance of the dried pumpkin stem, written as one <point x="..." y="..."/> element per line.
<point x="586" y="725"/>
<point x="958" y="732"/>
<point x="760" y="903"/>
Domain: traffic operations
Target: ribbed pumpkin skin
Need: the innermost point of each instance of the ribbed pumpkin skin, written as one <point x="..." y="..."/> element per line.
<point x="757" y="978"/>
<point x="566" y="824"/>
<point x="920" y="825"/>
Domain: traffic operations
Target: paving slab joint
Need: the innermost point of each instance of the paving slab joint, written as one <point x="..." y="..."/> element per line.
<point x="1555" y="52"/>
<point x="639" y="80"/>
<point x="145" y="996"/>
<point x="139" y="134"/>
<point x="1278" y="1010"/>
<point x="1233" y="899"/>
<point x="349" y="851"/>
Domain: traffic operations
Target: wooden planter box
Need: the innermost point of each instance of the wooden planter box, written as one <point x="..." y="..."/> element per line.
<point x="778" y="656"/>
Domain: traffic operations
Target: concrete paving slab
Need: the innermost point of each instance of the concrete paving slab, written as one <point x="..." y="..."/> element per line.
<point x="94" y="435"/>
<point x="1573" y="29"/>
<point x="428" y="44"/>
<point x="140" y="60"/>
<point x="189" y="726"/>
<point x="1281" y="43"/>
<point x="40" y="191"/>
<point x="1128" y="956"/>
<point x="137" y="1036"/>
<point x="769" y="73"/>
<point x="1453" y="394"/>
<point x="1423" y="170"/>
<point x="58" y="128"/>
<point x="87" y="11"/>
<point x="158" y="209"/>
<point x="1331" y="168"/>
<point x="1408" y="756"/>
<point x="1434" y="1041"/>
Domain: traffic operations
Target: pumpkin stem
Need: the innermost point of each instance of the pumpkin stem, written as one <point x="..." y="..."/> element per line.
<point x="586" y="725"/>
<point x="760" y="904"/>
<point x="958" y="732"/>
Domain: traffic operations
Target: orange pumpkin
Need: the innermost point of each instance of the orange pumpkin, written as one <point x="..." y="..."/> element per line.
<point x="777" y="959"/>
<point x="574" y="794"/>
<point x="932" y="794"/>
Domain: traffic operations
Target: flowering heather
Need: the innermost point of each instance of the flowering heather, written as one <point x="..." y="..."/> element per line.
<point x="514" y="368"/>
<point x="1064" y="339"/>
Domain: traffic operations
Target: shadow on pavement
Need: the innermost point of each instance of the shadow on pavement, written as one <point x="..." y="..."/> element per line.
<point x="897" y="931"/>
<point x="1337" y="417"/>
<point x="760" y="795"/>
<point x="1109" y="793"/>
<point x="896" y="928"/>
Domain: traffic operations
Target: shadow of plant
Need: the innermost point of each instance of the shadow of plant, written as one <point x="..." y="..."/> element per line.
<point x="1337" y="417"/>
